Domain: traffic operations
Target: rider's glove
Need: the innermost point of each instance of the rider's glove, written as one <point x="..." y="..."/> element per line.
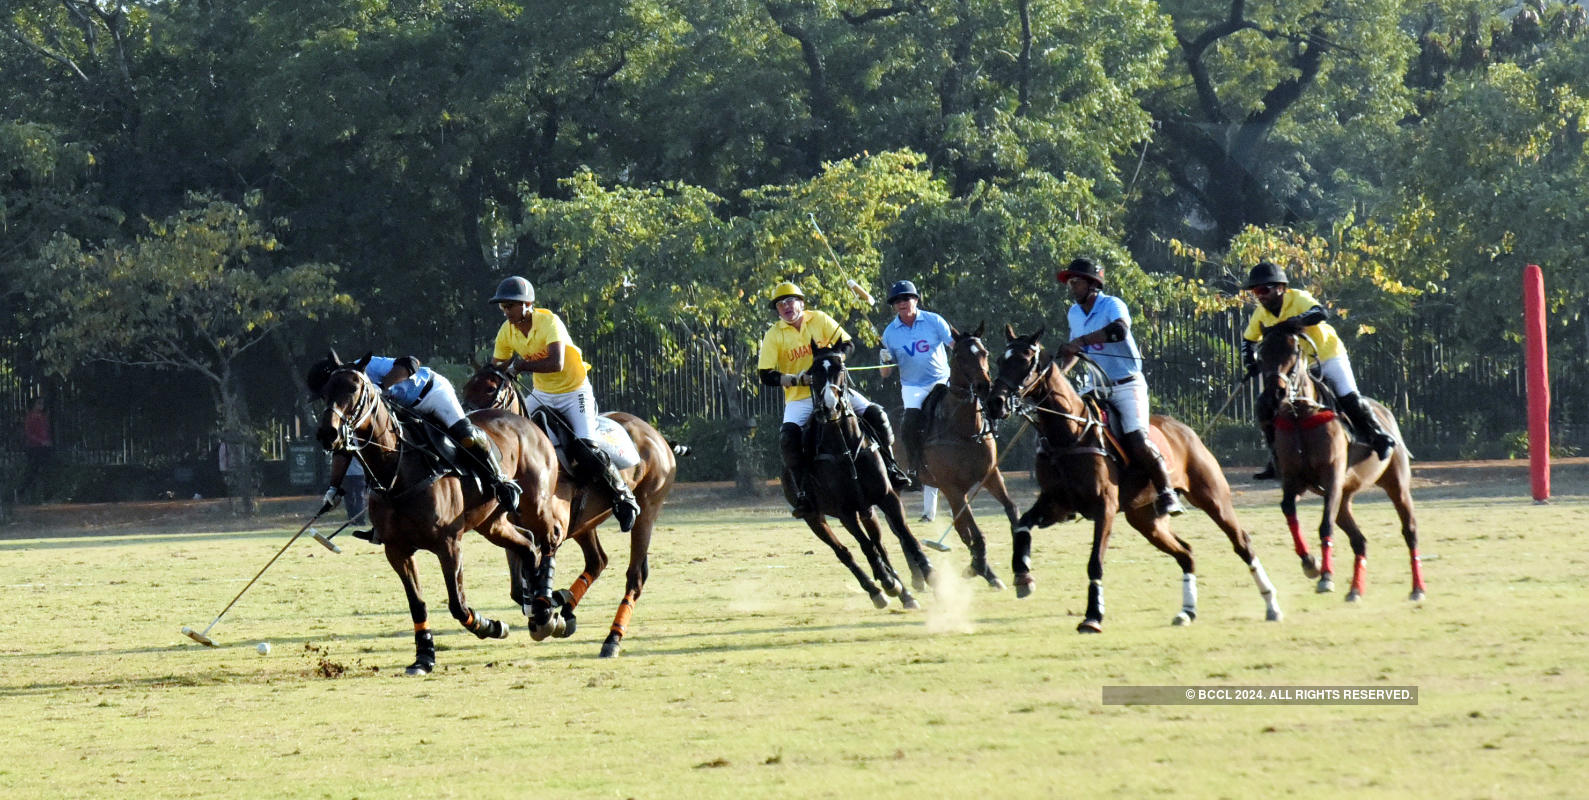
<point x="885" y="356"/>
<point x="794" y="379"/>
<point x="332" y="497"/>
<point x="1252" y="369"/>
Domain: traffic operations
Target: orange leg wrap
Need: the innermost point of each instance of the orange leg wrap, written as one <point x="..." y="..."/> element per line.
<point x="469" y="623"/>
<point x="620" y="622"/>
<point x="421" y="627"/>
<point x="580" y="584"/>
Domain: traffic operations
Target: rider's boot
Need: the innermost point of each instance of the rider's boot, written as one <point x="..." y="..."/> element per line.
<point x="598" y="466"/>
<point x="1266" y="423"/>
<point x="474" y="441"/>
<point x="913" y="429"/>
<point x="1152" y="460"/>
<point x="1367" y="424"/>
<point x="791" y="448"/>
<point x="877" y="422"/>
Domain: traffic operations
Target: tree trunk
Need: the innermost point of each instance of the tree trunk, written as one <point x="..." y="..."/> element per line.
<point x="241" y="467"/>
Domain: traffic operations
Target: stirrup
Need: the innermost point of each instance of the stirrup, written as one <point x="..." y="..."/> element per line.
<point x="1168" y="504"/>
<point x="507" y="494"/>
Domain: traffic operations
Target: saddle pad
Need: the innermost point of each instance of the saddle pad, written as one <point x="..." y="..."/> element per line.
<point x="608" y="435"/>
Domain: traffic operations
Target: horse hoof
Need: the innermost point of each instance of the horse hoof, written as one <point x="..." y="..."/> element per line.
<point x="909" y="602"/>
<point x="418" y="668"/>
<point x="567" y="629"/>
<point x="1090" y="626"/>
<point x="891" y="586"/>
<point x="609" y="649"/>
<point x="1417" y="595"/>
<point x="1353" y="596"/>
<point x="1025" y="584"/>
<point x="920" y="580"/>
<point x="499" y="629"/>
<point x="1325" y="586"/>
<point x="880" y="600"/>
<point x="995" y="584"/>
<point x="1273" y="615"/>
<point x="1182" y="619"/>
<point x="1310" y="568"/>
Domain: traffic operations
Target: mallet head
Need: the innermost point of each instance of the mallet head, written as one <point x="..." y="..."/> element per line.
<point x="198" y="637"/>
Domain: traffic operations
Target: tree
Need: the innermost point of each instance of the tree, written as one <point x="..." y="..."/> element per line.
<point x="193" y="293"/>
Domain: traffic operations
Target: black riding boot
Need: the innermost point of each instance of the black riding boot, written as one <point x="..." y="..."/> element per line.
<point x="1266" y="423"/>
<point x="474" y="441"/>
<point x="791" y="447"/>
<point x="1152" y="460"/>
<point x="597" y="466"/>
<point x="1367" y="424"/>
<point x="913" y="432"/>
<point x="877" y="422"/>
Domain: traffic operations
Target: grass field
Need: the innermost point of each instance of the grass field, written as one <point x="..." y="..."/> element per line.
<point x="755" y="667"/>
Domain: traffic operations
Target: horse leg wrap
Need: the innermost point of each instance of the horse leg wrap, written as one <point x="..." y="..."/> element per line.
<point x="1417" y="571"/>
<point x="1189" y="595"/>
<point x="1095" y="601"/>
<point x="1296" y="535"/>
<point x="620" y="621"/>
<point x="1359" y="573"/>
<point x="1326" y="549"/>
<point x="576" y="590"/>
<point x="424" y="651"/>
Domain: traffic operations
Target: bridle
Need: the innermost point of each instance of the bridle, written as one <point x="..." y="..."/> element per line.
<point x="1292" y="382"/>
<point x="506" y="394"/>
<point x="369" y="409"/>
<point x="970" y="389"/>
<point x="1088" y="425"/>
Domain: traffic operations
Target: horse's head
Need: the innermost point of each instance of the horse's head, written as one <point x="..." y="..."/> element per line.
<point x="1279" y="363"/>
<point x="1016" y="369"/>
<point x="491" y="386"/>
<point x="968" y="362"/>
<point x="828" y="382"/>
<point x="351" y="402"/>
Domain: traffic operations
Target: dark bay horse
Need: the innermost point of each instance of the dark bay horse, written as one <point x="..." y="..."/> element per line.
<point x="1078" y="472"/>
<point x="848" y="479"/>
<point x="960" y="453"/>
<point x="1313" y="452"/>
<point x="651" y="479"/>
<point x="415" y="510"/>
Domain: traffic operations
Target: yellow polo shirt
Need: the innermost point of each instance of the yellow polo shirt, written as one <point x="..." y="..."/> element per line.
<point x="789" y="350"/>
<point x="1296" y="302"/>
<point x="545" y="328"/>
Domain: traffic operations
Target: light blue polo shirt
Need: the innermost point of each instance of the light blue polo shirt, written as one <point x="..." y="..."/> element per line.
<point x="1119" y="360"/>
<point x="920" y="350"/>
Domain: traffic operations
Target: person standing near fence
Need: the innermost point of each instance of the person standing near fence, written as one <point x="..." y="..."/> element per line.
<point x="918" y="341"/>
<point x="357" y="497"/>
<point x="39" y="446"/>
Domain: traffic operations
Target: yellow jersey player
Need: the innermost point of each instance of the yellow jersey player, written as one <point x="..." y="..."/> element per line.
<point x="784" y="358"/>
<point x="1296" y="311"/>
<point x="534" y="340"/>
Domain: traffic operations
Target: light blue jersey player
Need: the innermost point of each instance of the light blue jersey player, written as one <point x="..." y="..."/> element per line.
<point x="917" y="342"/>
<point x="1100" y="328"/>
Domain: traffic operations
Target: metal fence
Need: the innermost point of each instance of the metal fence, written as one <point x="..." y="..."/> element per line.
<point x="1447" y="407"/>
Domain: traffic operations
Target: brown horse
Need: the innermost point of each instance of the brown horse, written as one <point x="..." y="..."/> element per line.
<point x="960" y="453"/>
<point x="1079" y="471"/>
<point x="415" y="510"/>
<point x="1313" y="452"/>
<point x="848" y="478"/>
<point x="651" y="479"/>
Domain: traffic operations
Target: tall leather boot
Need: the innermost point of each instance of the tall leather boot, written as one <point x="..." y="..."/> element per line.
<point x="877" y="422"/>
<point x="913" y="432"/>
<point x="1152" y="460"/>
<point x="1367" y="424"/>
<point x="598" y="467"/>
<point x="474" y="440"/>
<point x="791" y="448"/>
<point x="1266" y="423"/>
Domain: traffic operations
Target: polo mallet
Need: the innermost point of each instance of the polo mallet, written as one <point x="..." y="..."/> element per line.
<point x="944" y="548"/>
<point x="855" y="288"/>
<point x="326" y="540"/>
<point x="202" y="637"/>
<point x="1203" y="434"/>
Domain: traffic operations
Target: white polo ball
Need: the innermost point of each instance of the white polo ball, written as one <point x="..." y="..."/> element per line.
<point x="263" y="648"/>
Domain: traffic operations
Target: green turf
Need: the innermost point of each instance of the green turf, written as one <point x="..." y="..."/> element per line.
<point x="755" y="667"/>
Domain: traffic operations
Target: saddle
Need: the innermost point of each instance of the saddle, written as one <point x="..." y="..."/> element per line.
<point x="929" y="410"/>
<point x="609" y="436"/>
<point x="438" y="452"/>
<point x="1113" y="436"/>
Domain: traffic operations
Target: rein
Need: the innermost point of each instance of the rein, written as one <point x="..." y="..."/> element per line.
<point x="1028" y="410"/>
<point x="369" y="402"/>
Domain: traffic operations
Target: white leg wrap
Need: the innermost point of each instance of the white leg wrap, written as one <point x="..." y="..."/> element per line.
<point x="1261" y="578"/>
<point x="1189" y="594"/>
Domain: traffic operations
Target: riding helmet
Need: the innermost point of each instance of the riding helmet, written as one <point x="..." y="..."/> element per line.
<point x="514" y="290"/>
<point x="786" y="289"/>
<point x="1081" y="268"/>
<point x="320" y="372"/>
<point x="902" y="289"/>
<point x="1265" y="273"/>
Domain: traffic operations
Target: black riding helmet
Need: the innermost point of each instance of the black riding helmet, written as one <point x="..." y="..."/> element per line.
<point x="1265" y="273"/>
<point x="320" y="372"/>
